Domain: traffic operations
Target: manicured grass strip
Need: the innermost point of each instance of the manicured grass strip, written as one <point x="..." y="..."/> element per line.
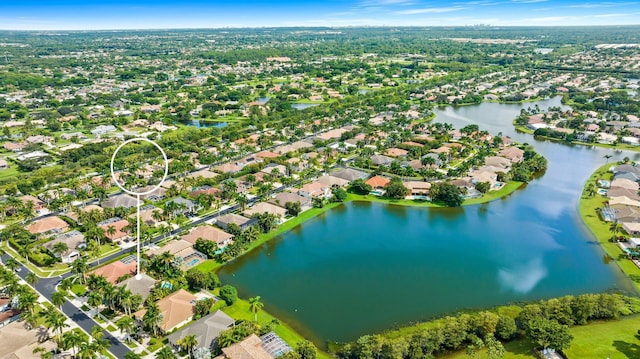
<point x="613" y="339"/>
<point x="517" y="349"/>
<point x="507" y="189"/>
<point x="589" y="212"/>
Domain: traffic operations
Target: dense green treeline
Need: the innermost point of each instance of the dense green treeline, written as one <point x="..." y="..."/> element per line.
<point x="545" y="322"/>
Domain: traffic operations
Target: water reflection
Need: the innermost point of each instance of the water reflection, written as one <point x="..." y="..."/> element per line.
<point x="523" y="278"/>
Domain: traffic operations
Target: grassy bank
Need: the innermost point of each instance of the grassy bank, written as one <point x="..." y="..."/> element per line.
<point x="589" y="212"/>
<point x="615" y="339"/>
<point x="509" y="188"/>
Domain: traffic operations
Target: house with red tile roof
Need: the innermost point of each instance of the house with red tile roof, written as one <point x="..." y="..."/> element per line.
<point x="176" y="309"/>
<point x="209" y="233"/>
<point x="378" y="182"/>
<point x="119" y="234"/>
<point x="112" y="271"/>
<point x="48" y="225"/>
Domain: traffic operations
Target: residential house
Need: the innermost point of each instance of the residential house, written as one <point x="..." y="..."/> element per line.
<point x="243" y="222"/>
<point x="208" y="190"/>
<point x="115" y="270"/>
<point x="315" y="190"/>
<point x="120" y="200"/>
<point x="396" y="152"/>
<point x="74" y="241"/>
<point x="417" y="188"/>
<point x="179" y="248"/>
<point x="155" y="196"/>
<point x="9" y="316"/>
<point x="188" y="206"/>
<point x="209" y="233"/>
<point x="272" y="168"/>
<point x="102" y="130"/>
<point x="118" y="224"/>
<point x="146" y="215"/>
<point x="378" y="182"/>
<point x="333" y="181"/>
<point x="282" y="198"/>
<point x="39" y="206"/>
<point x="513" y="154"/>
<point x="264" y="207"/>
<point x="46" y="226"/>
<point x="14" y="146"/>
<point x="350" y="174"/>
<point x="141" y="286"/>
<point x="380" y="160"/>
<point x="249" y="348"/>
<point x="176" y="309"/>
<point x="625" y="183"/>
<point x="204" y="174"/>
<point x="228" y="168"/>
<point x="206" y="329"/>
<point x="3" y="164"/>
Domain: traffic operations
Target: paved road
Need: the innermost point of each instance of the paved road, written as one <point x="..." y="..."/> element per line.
<point x="46" y="286"/>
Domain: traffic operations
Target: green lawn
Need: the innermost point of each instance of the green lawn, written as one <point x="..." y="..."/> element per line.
<point x="589" y="211"/>
<point x="10" y="172"/>
<point x="240" y="310"/>
<point x="79" y="290"/>
<point x="509" y="188"/>
<point x="517" y="349"/>
<point x="615" y="339"/>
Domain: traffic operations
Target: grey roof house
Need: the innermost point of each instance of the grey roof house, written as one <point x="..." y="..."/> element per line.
<point x="206" y="329"/>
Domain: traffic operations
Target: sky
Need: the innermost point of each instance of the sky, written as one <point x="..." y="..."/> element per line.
<point x="163" y="14"/>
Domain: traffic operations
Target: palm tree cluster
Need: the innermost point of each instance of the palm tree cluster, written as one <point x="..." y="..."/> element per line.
<point x="116" y="298"/>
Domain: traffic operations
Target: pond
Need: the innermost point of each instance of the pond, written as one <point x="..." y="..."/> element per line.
<point x="206" y="124"/>
<point x="303" y="106"/>
<point x="366" y="267"/>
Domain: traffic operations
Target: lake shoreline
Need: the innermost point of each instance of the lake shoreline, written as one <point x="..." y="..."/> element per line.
<point x="588" y="208"/>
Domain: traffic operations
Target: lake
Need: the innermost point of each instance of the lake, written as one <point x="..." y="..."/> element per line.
<point x="366" y="267"/>
<point x="303" y="106"/>
<point x="206" y="124"/>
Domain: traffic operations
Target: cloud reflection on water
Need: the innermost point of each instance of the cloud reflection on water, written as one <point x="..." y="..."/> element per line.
<point x="522" y="278"/>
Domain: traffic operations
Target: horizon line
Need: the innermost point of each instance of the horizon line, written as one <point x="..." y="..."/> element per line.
<point x="319" y="27"/>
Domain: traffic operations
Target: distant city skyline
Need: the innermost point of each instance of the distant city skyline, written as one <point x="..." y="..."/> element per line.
<point x="164" y="14"/>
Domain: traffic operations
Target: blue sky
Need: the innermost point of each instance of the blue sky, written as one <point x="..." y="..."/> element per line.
<point x="141" y="14"/>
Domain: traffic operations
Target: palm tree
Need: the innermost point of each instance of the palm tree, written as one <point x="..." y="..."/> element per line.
<point x="59" y="248"/>
<point x="165" y="353"/>
<point x="44" y="353"/>
<point x="152" y="319"/>
<point x="187" y="343"/>
<point x="251" y="234"/>
<point x="72" y="339"/>
<point x="242" y="200"/>
<point x="30" y="319"/>
<point x="55" y="321"/>
<point x="85" y="351"/>
<point x="126" y="325"/>
<point x="58" y="299"/>
<point x="607" y="157"/>
<point x="24" y="251"/>
<point x="95" y="300"/>
<point x="32" y="278"/>
<point x="255" y="305"/>
<point x="80" y="267"/>
<point x="27" y="300"/>
<point x="12" y="264"/>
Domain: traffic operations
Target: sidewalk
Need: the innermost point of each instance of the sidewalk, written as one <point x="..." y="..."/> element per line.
<point x="79" y="302"/>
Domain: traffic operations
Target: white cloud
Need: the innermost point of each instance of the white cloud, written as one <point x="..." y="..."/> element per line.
<point x="602" y="4"/>
<point x="430" y="10"/>
<point x="528" y="1"/>
<point x="369" y="3"/>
